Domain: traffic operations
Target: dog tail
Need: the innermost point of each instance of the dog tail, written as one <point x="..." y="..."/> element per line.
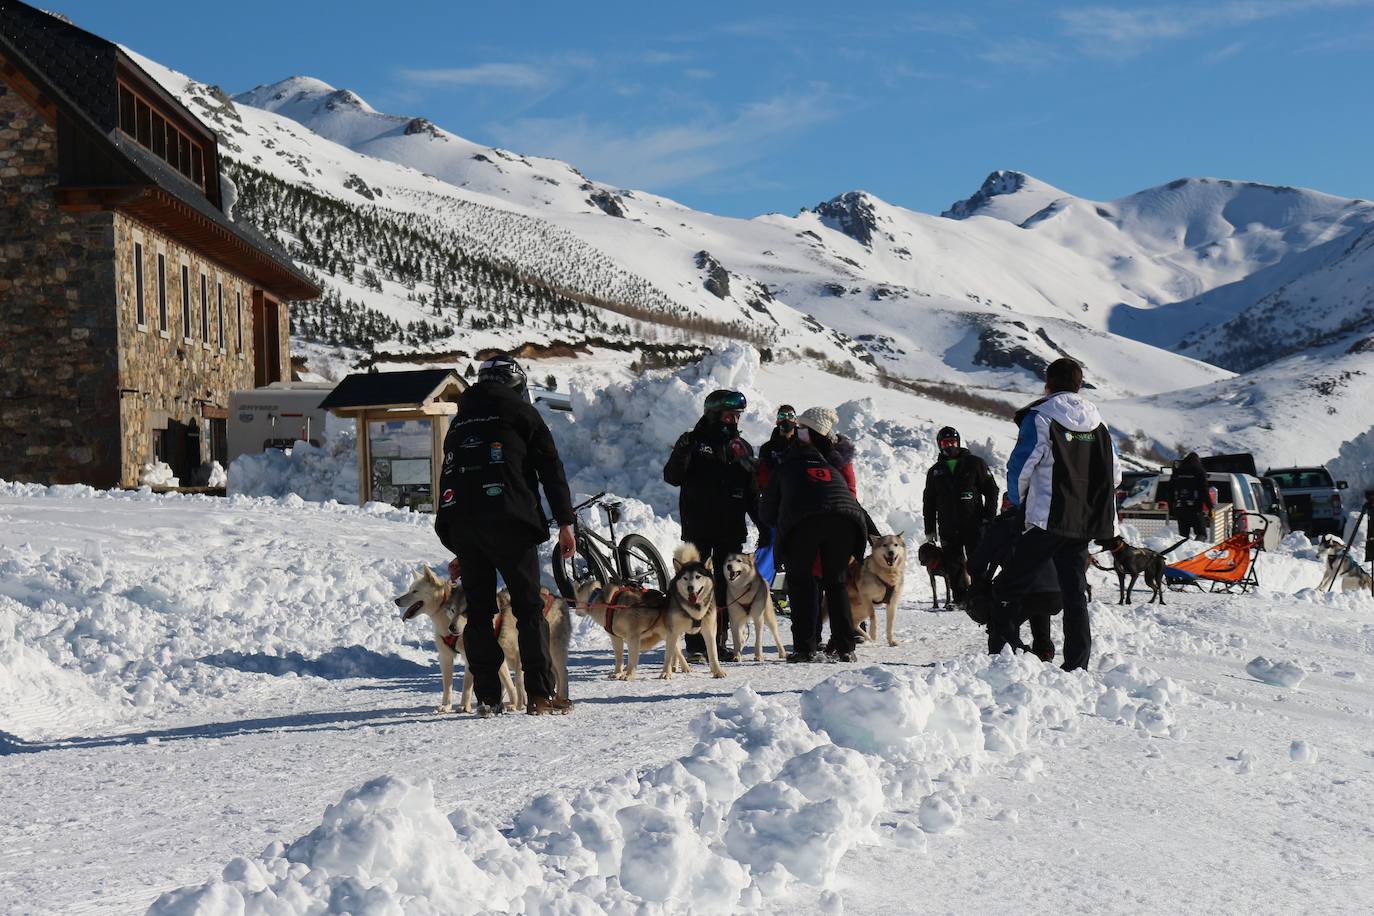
<point x="686" y="554"/>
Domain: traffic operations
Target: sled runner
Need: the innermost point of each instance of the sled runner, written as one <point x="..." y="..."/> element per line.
<point x="1231" y="566"/>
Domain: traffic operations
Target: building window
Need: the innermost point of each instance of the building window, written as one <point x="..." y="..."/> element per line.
<point x="126" y="111"/>
<point x="238" y="323"/>
<point x="140" y="119"/>
<point x="159" y="146"/>
<point x="140" y="315"/>
<point x="185" y="302"/>
<point x="204" y="310"/>
<point x="219" y="334"/>
<point x="162" y="293"/>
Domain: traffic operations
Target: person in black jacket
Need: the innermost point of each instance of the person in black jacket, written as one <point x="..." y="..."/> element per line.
<point x="813" y="512"/>
<point x="1192" y="497"/>
<point x="1037" y="598"/>
<point x="497" y="452"/>
<point x="714" y="469"/>
<point x="960" y="497"/>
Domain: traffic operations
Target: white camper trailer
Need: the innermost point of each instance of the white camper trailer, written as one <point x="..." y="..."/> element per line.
<point x="276" y="416"/>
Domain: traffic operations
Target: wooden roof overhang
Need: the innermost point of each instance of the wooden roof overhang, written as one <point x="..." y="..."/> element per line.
<point x="164" y="212"/>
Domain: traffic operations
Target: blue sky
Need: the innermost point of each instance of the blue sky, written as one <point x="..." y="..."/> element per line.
<point x="745" y="108"/>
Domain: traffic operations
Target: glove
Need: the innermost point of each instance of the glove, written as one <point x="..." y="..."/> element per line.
<point x="932" y="538"/>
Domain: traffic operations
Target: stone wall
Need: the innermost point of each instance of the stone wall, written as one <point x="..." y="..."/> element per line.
<point x="59" y="407"/>
<point x="174" y="373"/>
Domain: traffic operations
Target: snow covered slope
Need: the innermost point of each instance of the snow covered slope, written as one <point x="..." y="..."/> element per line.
<point x="427" y="241"/>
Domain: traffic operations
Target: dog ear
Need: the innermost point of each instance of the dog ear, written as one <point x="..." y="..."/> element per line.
<point x="707" y="564"/>
<point x="875" y="539"/>
<point x="901" y="535"/>
<point x="433" y="579"/>
<point x="677" y="566"/>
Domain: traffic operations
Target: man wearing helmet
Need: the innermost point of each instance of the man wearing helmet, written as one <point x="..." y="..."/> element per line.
<point x="960" y="497"/>
<point x="497" y="453"/>
<point x="714" y="469"/>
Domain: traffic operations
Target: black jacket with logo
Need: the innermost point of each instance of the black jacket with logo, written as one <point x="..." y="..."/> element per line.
<point x="497" y="452"/>
<point x="717" y="491"/>
<point x="806" y="485"/>
<point x="960" y="500"/>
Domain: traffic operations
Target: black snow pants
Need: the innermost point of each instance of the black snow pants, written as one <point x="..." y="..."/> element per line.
<point x="832" y="537"/>
<point x="717" y="554"/>
<point x="1192" y="523"/>
<point x="958" y="545"/>
<point x="482" y="555"/>
<point x="1070" y="558"/>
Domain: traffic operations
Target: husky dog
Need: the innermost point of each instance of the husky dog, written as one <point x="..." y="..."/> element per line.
<point x="932" y="557"/>
<point x="691" y="609"/>
<point x="878" y="580"/>
<point x="446" y="608"/>
<point x="635" y="618"/>
<point x="1347" y="572"/>
<point x="749" y="602"/>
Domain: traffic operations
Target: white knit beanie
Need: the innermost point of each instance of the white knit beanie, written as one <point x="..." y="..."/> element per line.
<point x="819" y="419"/>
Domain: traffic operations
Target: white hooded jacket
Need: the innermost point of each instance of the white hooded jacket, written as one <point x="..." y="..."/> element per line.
<point x="1032" y="481"/>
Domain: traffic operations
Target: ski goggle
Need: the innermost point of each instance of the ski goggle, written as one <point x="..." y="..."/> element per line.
<point x="949" y="443"/>
<point x="726" y="400"/>
<point x="787" y="416"/>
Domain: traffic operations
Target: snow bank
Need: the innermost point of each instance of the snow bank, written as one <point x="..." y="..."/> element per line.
<point x="101" y="625"/>
<point x="764" y="807"/>
<point x="620" y="434"/>
<point x="314" y="473"/>
<point x="158" y="474"/>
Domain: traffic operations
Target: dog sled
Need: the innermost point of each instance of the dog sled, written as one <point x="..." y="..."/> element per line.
<point x="1228" y="567"/>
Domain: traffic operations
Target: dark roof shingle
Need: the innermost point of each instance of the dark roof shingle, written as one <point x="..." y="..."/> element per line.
<point x="382" y="389"/>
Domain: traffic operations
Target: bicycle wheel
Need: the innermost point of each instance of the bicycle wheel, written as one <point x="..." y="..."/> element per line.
<point x="639" y="563"/>
<point x="573" y="571"/>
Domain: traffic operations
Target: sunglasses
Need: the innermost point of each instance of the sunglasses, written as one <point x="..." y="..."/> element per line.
<point x="787" y="416"/>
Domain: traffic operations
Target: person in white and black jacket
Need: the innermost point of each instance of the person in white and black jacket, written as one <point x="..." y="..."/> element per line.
<point x="1063" y="475"/>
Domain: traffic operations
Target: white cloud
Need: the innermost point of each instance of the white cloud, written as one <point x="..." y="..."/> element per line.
<point x="506" y="75"/>
<point x="670" y="155"/>
<point x="1115" y="31"/>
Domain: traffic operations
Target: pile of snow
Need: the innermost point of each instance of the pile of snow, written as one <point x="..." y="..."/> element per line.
<point x="99" y="630"/>
<point x="1279" y="673"/>
<point x="763" y="808"/>
<point x="158" y="474"/>
<point x="620" y="434"/>
<point x="314" y="473"/>
<point x="219" y="477"/>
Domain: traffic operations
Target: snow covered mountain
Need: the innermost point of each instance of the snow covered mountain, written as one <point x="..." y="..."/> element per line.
<point x="431" y="246"/>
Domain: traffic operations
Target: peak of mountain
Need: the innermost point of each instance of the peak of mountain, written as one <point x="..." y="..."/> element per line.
<point x="299" y="97"/>
<point x="852" y="213"/>
<point x="1007" y="195"/>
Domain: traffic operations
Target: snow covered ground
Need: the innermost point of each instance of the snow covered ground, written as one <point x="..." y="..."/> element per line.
<point x="217" y="695"/>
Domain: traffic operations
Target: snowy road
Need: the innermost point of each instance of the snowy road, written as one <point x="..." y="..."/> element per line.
<point x="151" y="741"/>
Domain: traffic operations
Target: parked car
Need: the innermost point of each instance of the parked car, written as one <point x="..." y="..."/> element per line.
<point x="1129" y="481"/>
<point x="1244" y="493"/>
<point x="1312" y="497"/>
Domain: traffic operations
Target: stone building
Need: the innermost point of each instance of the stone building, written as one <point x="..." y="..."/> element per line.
<point x="131" y="303"/>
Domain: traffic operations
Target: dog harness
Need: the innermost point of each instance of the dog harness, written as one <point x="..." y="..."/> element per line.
<point x="450" y="639"/>
<point x="853" y="577"/>
<point x="750" y="596"/>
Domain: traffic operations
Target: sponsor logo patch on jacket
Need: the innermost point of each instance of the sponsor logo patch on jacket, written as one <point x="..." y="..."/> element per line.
<point x="1071" y="436"/>
<point x="448" y="500"/>
<point x="821" y="475"/>
<point x="494" y="489"/>
<point x="472" y="442"/>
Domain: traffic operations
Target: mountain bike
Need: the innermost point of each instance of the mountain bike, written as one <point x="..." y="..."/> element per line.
<point x="633" y="560"/>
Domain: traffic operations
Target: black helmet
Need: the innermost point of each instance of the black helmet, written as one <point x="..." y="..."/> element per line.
<point x="949" y="432"/>
<point x="503" y="370"/>
<point x="723" y="399"/>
